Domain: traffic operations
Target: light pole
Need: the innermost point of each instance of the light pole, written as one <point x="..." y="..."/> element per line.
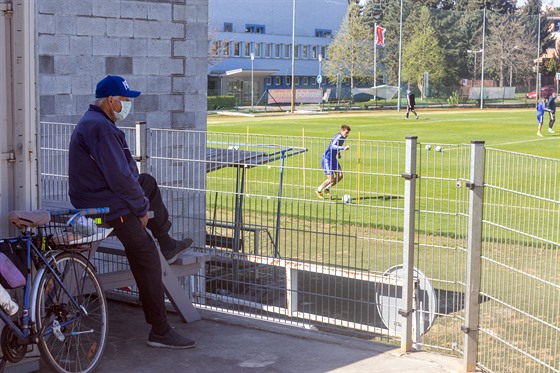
<point x="252" y="90"/>
<point x="293" y="54"/>
<point x="511" y="66"/>
<point x="320" y="57"/>
<point x="475" y="52"/>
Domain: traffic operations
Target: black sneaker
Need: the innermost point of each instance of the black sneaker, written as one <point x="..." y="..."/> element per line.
<point x="180" y="247"/>
<point x="171" y="339"/>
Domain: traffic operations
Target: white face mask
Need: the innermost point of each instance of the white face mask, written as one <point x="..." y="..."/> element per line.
<point x="125" y="109"/>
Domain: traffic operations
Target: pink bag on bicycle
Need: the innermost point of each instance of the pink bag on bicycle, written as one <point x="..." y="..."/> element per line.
<point x="11" y="267"/>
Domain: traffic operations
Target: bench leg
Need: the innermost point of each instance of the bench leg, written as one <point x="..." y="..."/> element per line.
<point x="176" y="294"/>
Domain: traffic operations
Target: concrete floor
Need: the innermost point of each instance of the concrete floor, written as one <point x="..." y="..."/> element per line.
<point x="227" y="343"/>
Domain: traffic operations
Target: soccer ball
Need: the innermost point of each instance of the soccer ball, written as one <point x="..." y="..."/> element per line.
<point x="428" y="147"/>
<point x="439" y="148"/>
<point x="346" y="198"/>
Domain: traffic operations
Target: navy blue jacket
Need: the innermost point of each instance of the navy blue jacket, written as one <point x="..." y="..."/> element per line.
<point x="101" y="170"/>
<point x="552" y="104"/>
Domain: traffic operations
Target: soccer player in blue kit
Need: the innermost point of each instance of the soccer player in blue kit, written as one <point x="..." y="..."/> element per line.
<point x="330" y="164"/>
<point x="541" y="108"/>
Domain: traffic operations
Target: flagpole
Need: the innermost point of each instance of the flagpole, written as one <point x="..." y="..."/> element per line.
<point x="375" y="56"/>
<point x="400" y="59"/>
<point x="375" y="59"/>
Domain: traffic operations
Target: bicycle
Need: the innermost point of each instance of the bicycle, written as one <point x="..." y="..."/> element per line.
<point x="63" y="310"/>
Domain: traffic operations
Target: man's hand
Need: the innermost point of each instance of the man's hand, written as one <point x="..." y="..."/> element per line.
<point x="347" y="147"/>
<point x="144" y="220"/>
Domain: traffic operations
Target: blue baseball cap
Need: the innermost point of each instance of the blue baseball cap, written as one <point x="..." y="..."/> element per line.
<point x="113" y="85"/>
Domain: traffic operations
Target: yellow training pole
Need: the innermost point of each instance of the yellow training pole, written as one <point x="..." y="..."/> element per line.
<point x="246" y="173"/>
<point x="304" y="164"/>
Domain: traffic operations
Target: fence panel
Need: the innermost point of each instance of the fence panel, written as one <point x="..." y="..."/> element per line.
<point x="520" y="295"/>
<point x="303" y="259"/>
<point x="280" y="252"/>
<point x="441" y="237"/>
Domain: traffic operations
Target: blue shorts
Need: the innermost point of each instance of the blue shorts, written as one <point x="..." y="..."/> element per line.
<point x="330" y="165"/>
<point x="540" y="117"/>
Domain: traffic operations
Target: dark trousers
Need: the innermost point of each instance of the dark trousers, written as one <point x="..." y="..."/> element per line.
<point x="552" y="115"/>
<point x="142" y="252"/>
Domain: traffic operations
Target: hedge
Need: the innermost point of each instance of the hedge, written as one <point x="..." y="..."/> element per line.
<point x="221" y="102"/>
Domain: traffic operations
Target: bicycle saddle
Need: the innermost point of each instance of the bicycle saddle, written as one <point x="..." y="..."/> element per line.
<point x="30" y="219"/>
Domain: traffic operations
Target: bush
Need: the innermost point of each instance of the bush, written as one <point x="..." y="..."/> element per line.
<point x="221" y="102"/>
<point x="453" y="100"/>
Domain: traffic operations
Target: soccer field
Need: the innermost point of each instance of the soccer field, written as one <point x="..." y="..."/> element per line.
<point x="505" y="129"/>
<point x="519" y="267"/>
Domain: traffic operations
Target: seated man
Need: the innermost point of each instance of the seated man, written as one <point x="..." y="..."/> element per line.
<point x="102" y="173"/>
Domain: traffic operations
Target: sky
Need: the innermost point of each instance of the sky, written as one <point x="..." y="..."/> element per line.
<point x="555" y="3"/>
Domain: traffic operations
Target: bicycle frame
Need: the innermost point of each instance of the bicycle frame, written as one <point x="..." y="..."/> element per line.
<point x="24" y="334"/>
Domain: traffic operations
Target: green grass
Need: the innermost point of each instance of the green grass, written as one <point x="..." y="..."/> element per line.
<point x="505" y="129"/>
<point x="517" y="269"/>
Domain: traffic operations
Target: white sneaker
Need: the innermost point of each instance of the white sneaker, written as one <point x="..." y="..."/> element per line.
<point x="539" y="134"/>
<point x="550" y="130"/>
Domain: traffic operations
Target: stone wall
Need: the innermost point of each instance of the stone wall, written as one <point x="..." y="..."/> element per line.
<point x="159" y="46"/>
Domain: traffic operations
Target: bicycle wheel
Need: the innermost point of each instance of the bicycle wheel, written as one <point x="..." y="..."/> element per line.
<point x="71" y="338"/>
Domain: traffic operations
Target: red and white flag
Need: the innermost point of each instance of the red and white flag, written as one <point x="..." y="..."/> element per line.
<point x="379" y="36"/>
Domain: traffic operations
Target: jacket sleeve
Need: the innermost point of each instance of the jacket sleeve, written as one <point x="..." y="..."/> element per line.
<point x="334" y="144"/>
<point x="114" y="164"/>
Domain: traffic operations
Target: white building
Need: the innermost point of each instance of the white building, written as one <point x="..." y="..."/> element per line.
<point x="264" y="29"/>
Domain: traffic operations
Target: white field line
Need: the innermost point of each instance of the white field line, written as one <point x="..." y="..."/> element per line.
<point x="527" y="141"/>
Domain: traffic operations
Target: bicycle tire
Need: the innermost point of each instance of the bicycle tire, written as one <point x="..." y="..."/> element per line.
<point x="78" y="343"/>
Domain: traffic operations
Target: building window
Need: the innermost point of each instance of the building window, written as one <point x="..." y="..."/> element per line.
<point x="314" y="52"/>
<point x="215" y="48"/>
<point x="321" y="33"/>
<point x="254" y="29"/>
<point x="296" y="51"/>
<point x="288" y="51"/>
<point x="314" y="80"/>
<point x="236" y="49"/>
<point x="305" y="80"/>
<point x="247" y="49"/>
<point x="296" y="80"/>
<point x="225" y="48"/>
<point x="257" y="49"/>
<point x="277" y="80"/>
<point x="228" y="27"/>
<point x="268" y="80"/>
<point x="267" y="50"/>
<point x="324" y="52"/>
<point x="277" y="50"/>
<point x="305" y="52"/>
<point x="288" y="80"/>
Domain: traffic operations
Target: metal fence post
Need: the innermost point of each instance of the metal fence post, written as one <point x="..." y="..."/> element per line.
<point x="408" y="242"/>
<point x="472" y="304"/>
<point x="141" y="148"/>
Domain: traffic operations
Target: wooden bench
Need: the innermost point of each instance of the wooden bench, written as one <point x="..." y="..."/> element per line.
<point x="190" y="263"/>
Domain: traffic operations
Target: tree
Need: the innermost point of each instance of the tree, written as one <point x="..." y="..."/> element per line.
<point x="551" y="67"/>
<point x="508" y="47"/>
<point x="351" y="51"/>
<point x="499" y="6"/>
<point x="422" y="51"/>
